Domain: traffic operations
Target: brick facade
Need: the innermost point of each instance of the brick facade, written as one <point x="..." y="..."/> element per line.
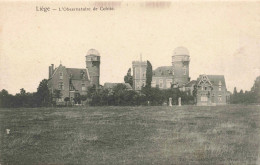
<point x="211" y="90"/>
<point x="75" y="81"/>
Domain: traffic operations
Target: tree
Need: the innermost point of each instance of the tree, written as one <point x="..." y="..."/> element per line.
<point x="256" y="90"/>
<point x="91" y="91"/>
<point x="234" y="96"/>
<point x="5" y="98"/>
<point x="119" y="91"/>
<point x="149" y="74"/>
<point x="22" y="92"/>
<point x="129" y="78"/>
<point x="194" y="93"/>
<point x="43" y="94"/>
<point x="77" y="98"/>
<point x="67" y="99"/>
<point x="57" y="94"/>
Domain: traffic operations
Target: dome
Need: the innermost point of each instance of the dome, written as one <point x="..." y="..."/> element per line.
<point x="181" y="51"/>
<point x="93" y="52"/>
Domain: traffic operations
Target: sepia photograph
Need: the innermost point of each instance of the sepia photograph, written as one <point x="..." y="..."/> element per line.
<point x="130" y="82"/>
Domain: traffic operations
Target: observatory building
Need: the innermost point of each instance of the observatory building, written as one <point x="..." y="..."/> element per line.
<point x="139" y="74"/>
<point x="180" y="64"/>
<point x="177" y="74"/>
<point x="93" y="66"/>
<point x="210" y="89"/>
<point x="73" y="82"/>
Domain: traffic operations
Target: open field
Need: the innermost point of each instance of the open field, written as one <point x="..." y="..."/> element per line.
<point x="131" y="135"/>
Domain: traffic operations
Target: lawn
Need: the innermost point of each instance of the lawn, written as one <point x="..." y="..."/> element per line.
<point x="131" y="135"/>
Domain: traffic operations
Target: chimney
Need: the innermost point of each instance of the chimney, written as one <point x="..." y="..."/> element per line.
<point x="51" y="68"/>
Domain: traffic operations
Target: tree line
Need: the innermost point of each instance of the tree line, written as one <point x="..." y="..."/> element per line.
<point x="121" y="96"/>
<point x="247" y="97"/>
<point x="25" y="99"/>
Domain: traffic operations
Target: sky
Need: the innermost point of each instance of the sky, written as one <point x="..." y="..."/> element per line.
<point x="223" y="38"/>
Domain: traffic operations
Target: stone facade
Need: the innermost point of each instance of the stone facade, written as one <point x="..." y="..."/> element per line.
<point x="162" y="77"/>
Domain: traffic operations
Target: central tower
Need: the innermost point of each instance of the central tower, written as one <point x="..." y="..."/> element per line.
<point x="93" y="66"/>
<point x="180" y="63"/>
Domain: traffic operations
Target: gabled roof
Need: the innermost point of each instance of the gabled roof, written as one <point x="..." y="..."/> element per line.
<point x="112" y="85"/>
<point x="191" y="83"/>
<point x="214" y="79"/>
<point x="77" y="73"/>
<point x="55" y="70"/>
<point x="163" y="71"/>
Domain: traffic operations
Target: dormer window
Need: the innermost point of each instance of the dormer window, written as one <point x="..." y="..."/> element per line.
<point x="83" y="76"/>
<point x="61" y="75"/>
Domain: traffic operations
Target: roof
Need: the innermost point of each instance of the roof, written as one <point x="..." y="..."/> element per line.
<point x="93" y="52"/>
<point x="77" y="73"/>
<point x="112" y="85"/>
<point x="180" y="51"/>
<point x="191" y="83"/>
<point x="215" y="79"/>
<point x="163" y="71"/>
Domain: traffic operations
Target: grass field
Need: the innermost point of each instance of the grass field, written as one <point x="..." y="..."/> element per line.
<point x="131" y="135"/>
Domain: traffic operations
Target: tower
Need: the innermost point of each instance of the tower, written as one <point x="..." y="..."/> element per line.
<point x="180" y="63"/>
<point x="139" y="74"/>
<point x="93" y="66"/>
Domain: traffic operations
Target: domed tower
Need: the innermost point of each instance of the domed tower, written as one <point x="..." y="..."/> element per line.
<point x="180" y="63"/>
<point x="93" y="66"/>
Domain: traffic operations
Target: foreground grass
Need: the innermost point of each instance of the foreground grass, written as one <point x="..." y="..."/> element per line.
<point x="131" y="135"/>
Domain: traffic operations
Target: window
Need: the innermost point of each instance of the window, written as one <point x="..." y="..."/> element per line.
<point x="168" y="83"/>
<point x="203" y="98"/>
<point x="185" y="70"/>
<point x="83" y="87"/>
<point x="61" y="86"/>
<point x="153" y="83"/>
<point x="137" y="85"/>
<point x="160" y="83"/>
<point x="143" y="83"/>
<point x="219" y="98"/>
<point x="205" y="88"/>
<point x="219" y="85"/>
<point x="61" y="75"/>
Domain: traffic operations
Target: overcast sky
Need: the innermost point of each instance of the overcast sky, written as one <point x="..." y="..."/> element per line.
<point x="223" y="38"/>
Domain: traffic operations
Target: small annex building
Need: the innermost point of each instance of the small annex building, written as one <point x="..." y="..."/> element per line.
<point x="211" y="90"/>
